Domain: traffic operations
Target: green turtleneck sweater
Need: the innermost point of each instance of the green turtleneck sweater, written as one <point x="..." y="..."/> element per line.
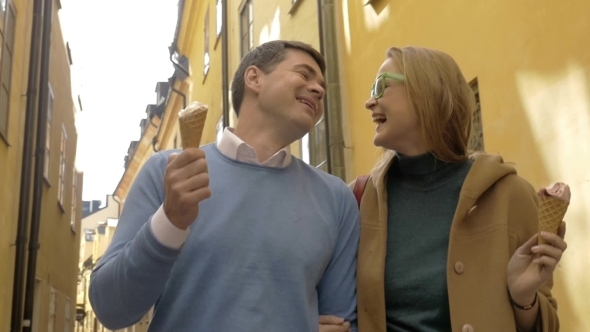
<point x="422" y="195"/>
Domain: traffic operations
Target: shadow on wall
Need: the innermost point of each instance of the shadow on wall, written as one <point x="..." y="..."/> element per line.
<point x="554" y="85"/>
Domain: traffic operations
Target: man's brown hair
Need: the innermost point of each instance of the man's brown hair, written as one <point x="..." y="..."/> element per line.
<point x="266" y="57"/>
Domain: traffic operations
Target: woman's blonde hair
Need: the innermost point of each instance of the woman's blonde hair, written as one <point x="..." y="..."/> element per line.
<point x="442" y="99"/>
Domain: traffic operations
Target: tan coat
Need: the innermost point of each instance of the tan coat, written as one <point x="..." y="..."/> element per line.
<point x="497" y="212"/>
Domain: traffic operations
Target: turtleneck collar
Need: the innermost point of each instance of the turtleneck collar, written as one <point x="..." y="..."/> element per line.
<point x="419" y="165"/>
<point x="423" y="172"/>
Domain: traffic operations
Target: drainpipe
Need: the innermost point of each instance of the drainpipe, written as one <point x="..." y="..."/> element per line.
<point x="172" y="88"/>
<point x="155" y="138"/>
<point x="181" y="95"/>
<point x="116" y="199"/>
<point x="333" y="100"/>
<point x="25" y="182"/>
<point x="155" y="141"/>
<point x="39" y="163"/>
<point x="224" y="65"/>
<point x="176" y="64"/>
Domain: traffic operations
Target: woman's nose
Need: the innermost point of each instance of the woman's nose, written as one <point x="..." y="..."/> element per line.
<point x="370" y="103"/>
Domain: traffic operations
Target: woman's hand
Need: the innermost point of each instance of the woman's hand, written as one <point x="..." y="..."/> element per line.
<point x="532" y="265"/>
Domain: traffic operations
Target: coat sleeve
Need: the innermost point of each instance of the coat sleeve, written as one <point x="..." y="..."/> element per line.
<point x="527" y="224"/>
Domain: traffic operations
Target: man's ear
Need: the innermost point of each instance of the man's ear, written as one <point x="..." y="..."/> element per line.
<point x="253" y="79"/>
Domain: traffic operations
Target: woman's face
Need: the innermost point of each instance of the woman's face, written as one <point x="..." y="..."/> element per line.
<point x="397" y="124"/>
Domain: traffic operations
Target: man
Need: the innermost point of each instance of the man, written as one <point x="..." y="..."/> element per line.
<point x="249" y="239"/>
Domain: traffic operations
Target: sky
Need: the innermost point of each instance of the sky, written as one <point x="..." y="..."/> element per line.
<point x="119" y="52"/>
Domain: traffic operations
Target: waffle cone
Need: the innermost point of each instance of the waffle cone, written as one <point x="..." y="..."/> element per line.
<point x="551" y="213"/>
<point x="191" y="123"/>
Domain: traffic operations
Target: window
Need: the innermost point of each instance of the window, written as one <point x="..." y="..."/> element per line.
<point x="294" y="5"/>
<point x="219" y="129"/>
<point x="7" y="26"/>
<point x="38" y="298"/>
<point x="318" y="146"/>
<point x="67" y="316"/>
<point x="314" y="146"/>
<point x="477" y="130"/>
<point x="89" y="235"/>
<point x="50" y="99"/>
<point x="62" y="166"/>
<point x="305" y="148"/>
<point x="52" y="300"/>
<point x="73" y="219"/>
<point x="206" y="59"/>
<point x="69" y="51"/>
<point x="218" y="18"/>
<point x="246" y="27"/>
<point x="101" y="229"/>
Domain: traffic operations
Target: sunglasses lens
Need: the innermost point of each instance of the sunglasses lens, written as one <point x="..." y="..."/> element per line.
<point x="377" y="89"/>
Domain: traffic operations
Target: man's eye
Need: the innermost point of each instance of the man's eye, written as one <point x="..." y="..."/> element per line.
<point x="303" y="74"/>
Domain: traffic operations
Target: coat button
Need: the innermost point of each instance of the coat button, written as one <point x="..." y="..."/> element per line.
<point x="459" y="267"/>
<point x="467" y="328"/>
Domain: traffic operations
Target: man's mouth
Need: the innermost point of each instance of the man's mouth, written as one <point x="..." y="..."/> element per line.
<point x="307" y="102"/>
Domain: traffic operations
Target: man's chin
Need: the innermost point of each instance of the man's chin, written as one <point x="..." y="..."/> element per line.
<point x="297" y="128"/>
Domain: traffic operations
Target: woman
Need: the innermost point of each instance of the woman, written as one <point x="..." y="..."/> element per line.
<point x="448" y="239"/>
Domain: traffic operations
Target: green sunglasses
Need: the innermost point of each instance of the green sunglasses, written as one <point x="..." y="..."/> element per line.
<point x="379" y="85"/>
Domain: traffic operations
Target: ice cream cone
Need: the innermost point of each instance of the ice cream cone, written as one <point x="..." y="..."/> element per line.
<point x="191" y="122"/>
<point x="551" y="213"/>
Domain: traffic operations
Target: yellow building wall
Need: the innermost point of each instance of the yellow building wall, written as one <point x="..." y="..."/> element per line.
<point x="532" y="63"/>
<point x="57" y="265"/>
<point x="59" y="242"/>
<point x="201" y="87"/>
<point x="11" y="158"/>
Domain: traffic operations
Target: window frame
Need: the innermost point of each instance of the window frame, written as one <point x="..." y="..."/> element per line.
<point x="246" y="13"/>
<point x="67" y="314"/>
<point x="218" y="20"/>
<point x="49" y="123"/>
<point x="52" y="309"/>
<point x="206" y="53"/>
<point x="7" y="47"/>
<point x="74" y="207"/>
<point x="62" y="167"/>
<point x="319" y="152"/>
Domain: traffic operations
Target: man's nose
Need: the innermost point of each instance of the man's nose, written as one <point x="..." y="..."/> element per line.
<point x="318" y="90"/>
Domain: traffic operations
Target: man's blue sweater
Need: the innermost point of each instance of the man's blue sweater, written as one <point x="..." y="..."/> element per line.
<point x="270" y="250"/>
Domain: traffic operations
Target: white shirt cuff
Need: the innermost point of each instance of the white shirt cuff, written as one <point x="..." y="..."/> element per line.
<point x="165" y="232"/>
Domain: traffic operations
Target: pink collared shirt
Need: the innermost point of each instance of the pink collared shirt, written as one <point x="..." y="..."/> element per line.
<point x="232" y="147"/>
